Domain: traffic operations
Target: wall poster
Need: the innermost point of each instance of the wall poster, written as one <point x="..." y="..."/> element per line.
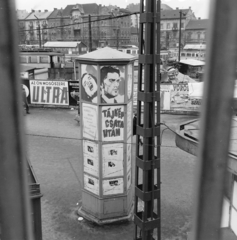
<point x="89" y="84"/>
<point x="129" y="119"/>
<point x="112" y="123"/>
<point x="112" y="160"/>
<point x="49" y="92"/>
<point x="129" y="180"/>
<point x="129" y="82"/>
<point x="91" y="184"/>
<point x="112" y="85"/>
<point x="113" y="186"/>
<point x="90" y="121"/>
<point x="129" y="154"/>
<point x="90" y="156"/>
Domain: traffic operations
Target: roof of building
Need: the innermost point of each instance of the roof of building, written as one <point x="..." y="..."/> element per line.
<point x="22" y="14"/>
<point x="60" y="44"/>
<point x="165" y="7"/>
<point x="55" y="12"/>
<point x="136" y="7"/>
<point x="173" y="14"/>
<point x="90" y="8"/>
<point x="197" y="24"/>
<point x="39" y="14"/>
<point x="106" y="54"/>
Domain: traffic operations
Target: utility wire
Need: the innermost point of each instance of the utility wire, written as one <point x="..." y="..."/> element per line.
<point x="72" y="24"/>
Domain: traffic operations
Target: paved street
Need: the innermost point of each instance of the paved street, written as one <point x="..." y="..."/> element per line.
<point x="54" y="148"/>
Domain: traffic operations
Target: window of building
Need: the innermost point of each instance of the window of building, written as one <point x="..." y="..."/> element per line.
<point x="188" y="54"/>
<point x="161" y="26"/>
<point x="183" y="54"/>
<point x="175" y="25"/>
<point x="198" y="35"/>
<point x="168" y="26"/>
<point x="23" y="59"/>
<point x="182" y="25"/>
<point x="33" y="59"/>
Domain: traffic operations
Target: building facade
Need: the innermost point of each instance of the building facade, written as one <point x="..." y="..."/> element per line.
<point x="170" y="26"/>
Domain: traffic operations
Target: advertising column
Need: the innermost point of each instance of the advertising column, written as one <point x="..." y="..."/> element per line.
<point x="106" y="103"/>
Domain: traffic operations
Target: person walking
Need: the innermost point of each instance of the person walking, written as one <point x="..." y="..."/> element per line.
<point x="25" y="101"/>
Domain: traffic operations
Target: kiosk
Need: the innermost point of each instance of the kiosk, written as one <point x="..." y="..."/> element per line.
<point x="106" y="103"/>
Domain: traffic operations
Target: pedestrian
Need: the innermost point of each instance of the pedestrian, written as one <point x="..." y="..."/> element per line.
<point x="25" y="101"/>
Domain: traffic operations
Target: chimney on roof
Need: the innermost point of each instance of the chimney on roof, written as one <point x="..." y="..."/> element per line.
<point x="199" y="18"/>
<point x="32" y="10"/>
<point x="46" y="10"/>
<point x="55" y="9"/>
<point x="189" y="7"/>
<point x="177" y="8"/>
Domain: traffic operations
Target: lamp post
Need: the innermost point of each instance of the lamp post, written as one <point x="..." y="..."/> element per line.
<point x="39" y="32"/>
<point x="180" y="17"/>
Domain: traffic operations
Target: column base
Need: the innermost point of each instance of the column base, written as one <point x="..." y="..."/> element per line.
<point x="94" y="219"/>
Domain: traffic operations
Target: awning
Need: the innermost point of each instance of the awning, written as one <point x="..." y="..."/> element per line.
<point x="61" y="44"/>
<point x="192" y="62"/>
<point x="195" y="47"/>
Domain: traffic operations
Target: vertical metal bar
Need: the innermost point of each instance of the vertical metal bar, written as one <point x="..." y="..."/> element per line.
<point x="14" y="192"/>
<point x="90" y="36"/>
<point x="180" y="19"/>
<point x="158" y="177"/>
<point x="216" y="115"/>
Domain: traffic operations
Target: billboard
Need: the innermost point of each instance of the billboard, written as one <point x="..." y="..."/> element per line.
<point x="49" y="92"/>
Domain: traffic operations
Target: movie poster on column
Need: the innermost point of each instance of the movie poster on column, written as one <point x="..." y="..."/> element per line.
<point x="129" y="180"/>
<point x="91" y="184"/>
<point x="129" y="119"/>
<point x="90" y="155"/>
<point x="90" y="121"/>
<point x="89" y="83"/>
<point x="112" y="123"/>
<point x="112" y="160"/>
<point x="113" y="186"/>
<point x="112" y="86"/>
<point x="129" y="82"/>
<point x="129" y="154"/>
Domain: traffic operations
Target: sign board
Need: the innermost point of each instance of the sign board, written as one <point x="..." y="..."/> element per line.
<point x="49" y="92"/>
<point x="90" y="121"/>
<point x="113" y="186"/>
<point x="90" y="156"/>
<point x="112" y="160"/>
<point x="112" y="123"/>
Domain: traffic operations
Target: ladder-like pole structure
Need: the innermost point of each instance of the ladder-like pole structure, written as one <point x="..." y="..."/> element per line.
<point x="216" y="116"/>
<point x="147" y="169"/>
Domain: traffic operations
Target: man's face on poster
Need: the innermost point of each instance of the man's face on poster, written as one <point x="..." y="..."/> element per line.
<point x="89" y="84"/>
<point x="111" y="84"/>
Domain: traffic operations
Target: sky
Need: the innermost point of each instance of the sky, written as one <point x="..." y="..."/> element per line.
<point x="200" y="7"/>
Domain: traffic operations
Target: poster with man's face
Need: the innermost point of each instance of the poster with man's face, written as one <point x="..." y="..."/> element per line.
<point x="112" y="87"/>
<point x="89" y="84"/>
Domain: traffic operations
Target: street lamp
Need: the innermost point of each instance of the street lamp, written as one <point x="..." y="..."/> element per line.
<point x="39" y="32"/>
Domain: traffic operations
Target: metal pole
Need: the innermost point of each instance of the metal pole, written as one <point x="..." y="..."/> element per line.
<point x="216" y="119"/>
<point x="14" y="192"/>
<point x="180" y="18"/>
<point x="90" y="37"/>
<point x="148" y="191"/>
<point x="39" y="32"/>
